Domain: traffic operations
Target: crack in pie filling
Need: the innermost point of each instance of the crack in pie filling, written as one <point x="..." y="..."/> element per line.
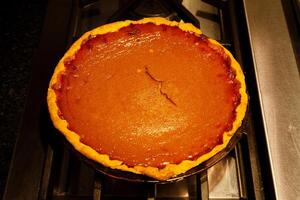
<point x="151" y="96"/>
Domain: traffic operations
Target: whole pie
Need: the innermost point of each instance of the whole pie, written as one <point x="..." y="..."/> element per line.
<point x="152" y="97"/>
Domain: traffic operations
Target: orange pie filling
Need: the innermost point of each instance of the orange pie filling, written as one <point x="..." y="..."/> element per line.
<point x="152" y="96"/>
<point x="149" y="95"/>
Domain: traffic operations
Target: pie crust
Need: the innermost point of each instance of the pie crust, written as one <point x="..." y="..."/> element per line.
<point x="169" y="170"/>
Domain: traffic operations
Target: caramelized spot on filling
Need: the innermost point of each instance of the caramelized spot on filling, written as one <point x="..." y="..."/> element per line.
<point x="149" y="95"/>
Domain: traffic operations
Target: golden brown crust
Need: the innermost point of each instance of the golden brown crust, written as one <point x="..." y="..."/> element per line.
<point x="169" y="170"/>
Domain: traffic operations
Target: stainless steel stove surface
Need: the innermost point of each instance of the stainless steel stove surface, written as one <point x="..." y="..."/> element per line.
<point x="43" y="167"/>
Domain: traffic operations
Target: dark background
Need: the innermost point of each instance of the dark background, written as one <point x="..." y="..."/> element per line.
<point x="21" y="24"/>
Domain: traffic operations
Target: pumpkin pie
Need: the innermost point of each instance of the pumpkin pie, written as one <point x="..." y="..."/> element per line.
<point x="152" y="97"/>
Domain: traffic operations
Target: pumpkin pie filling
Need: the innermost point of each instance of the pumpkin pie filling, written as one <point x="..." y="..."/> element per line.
<point x="148" y="95"/>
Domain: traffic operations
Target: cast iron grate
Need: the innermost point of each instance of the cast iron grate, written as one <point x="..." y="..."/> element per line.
<point x="65" y="176"/>
<point x="74" y="179"/>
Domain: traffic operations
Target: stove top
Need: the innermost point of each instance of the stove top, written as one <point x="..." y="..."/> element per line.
<point x="43" y="167"/>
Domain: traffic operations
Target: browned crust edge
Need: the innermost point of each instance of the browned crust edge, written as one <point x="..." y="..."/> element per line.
<point x="169" y="170"/>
